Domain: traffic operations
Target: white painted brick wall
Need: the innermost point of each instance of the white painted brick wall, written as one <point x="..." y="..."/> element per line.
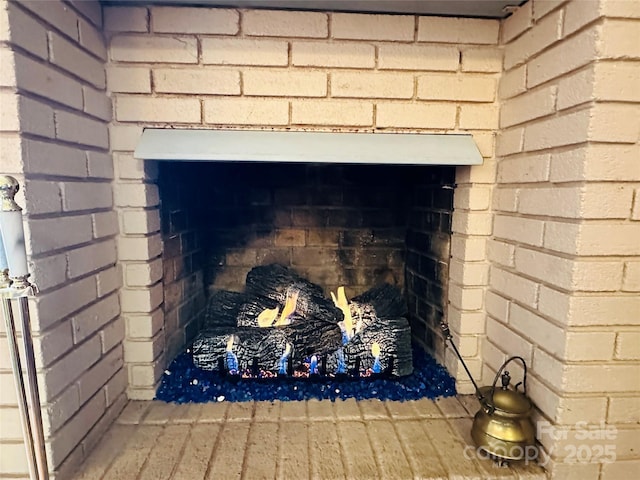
<point x="194" y="20"/>
<point x="549" y="46"/>
<point x="479" y="116"/>
<point x="617" y="162"/>
<point x="467" y="88"/>
<point x="590" y="346"/>
<point x="145" y="326"/>
<point x="90" y="320"/>
<point x="335" y="54"/>
<point x="95" y="103"/>
<point x="534" y="40"/>
<point x="99" y="165"/>
<point x="335" y="112"/>
<point x="108" y="281"/>
<point x="61" y="113"/>
<point x="566" y="56"/>
<point x="513" y="82"/>
<point x="58" y="14"/>
<point x="216" y="51"/>
<point x="245" y="111"/>
<point x="35" y="77"/>
<point x="621" y="39"/>
<point x="91" y="258"/>
<point x="571" y="174"/>
<point x="191" y="80"/>
<point x="529" y="106"/>
<point x="174" y="49"/>
<point x="282" y="83"/>
<point x="53" y="159"/>
<point x="372" y="27"/>
<point x="139" y="248"/>
<point x="140" y="222"/>
<point x="611" y="122"/>
<point x="481" y="59"/>
<point x="85" y="196"/>
<point x="90" y="35"/>
<point x="105" y="224"/>
<point x="126" y="19"/>
<point x="281" y="69"/>
<point x="26" y="32"/>
<point x="372" y="85"/>
<point x="153" y="109"/>
<point x="137" y="195"/>
<point x="525" y="169"/>
<point x="143" y="274"/>
<point x="519" y="229"/>
<point x="49" y="234"/>
<point x="517" y="23"/>
<point x="129" y="79"/>
<point x="68" y="56"/>
<point x="567" y="129"/>
<point x="52" y="345"/>
<point x="412" y="115"/>
<point x="458" y="30"/>
<point x="264" y="23"/>
<point x="79" y="129"/>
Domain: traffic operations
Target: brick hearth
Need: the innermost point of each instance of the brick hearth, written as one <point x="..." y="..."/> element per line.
<point x="287" y="440"/>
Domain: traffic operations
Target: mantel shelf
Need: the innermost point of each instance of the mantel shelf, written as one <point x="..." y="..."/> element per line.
<point x="307" y="146"/>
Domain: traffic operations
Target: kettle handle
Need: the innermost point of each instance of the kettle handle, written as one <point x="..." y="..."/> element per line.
<point x="495" y="380"/>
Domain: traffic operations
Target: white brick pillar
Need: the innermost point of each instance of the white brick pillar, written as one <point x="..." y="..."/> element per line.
<point x="142" y="294"/>
<point x="55" y="139"/>
<point x="564" y="231"/>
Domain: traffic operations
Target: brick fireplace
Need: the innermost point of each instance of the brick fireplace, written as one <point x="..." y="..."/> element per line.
<point x="336" y="225"/>
<point x="543" y="258"/>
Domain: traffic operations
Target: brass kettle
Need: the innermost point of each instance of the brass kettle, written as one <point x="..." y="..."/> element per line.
<point x="502" y="427"/>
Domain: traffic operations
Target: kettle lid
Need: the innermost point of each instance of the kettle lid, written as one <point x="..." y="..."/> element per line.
<point x="506" y="400"/>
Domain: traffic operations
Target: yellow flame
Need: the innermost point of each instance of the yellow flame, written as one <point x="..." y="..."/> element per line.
<point x="230" y="343"/>
<point x="375" y="349"/>
<point x="290" y="305"/>
<point x="343" y="304"/>
<point x="268" y="316"/>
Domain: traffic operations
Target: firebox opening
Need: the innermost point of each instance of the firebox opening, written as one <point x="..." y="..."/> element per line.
<point x="355" y="226"/>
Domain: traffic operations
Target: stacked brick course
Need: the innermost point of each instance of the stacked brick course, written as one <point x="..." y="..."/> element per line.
<point x="299" y="70"/>
<point x="565" y="238"/>
<point x="54" y="139"/>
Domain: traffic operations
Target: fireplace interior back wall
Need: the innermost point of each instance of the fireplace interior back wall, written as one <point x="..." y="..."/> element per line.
<point x="351" y="225"/>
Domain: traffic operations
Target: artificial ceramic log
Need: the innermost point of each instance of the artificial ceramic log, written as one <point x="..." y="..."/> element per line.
<point x="313" y="336"/>
<point x="386" y="300"/>
<point x="222" y="309"/>
<point x="267" y="345"/>
<point x="251" y="309"/>
<point x="278" y="283"/>
<point x="283" y="315"/>
<point x="393" y="336"/>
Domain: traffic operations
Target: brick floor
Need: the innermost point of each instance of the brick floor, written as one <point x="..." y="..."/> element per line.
<point x="295" y="440"/>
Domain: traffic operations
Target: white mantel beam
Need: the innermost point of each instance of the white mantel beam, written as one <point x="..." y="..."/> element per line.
<point x="305" y="146"/>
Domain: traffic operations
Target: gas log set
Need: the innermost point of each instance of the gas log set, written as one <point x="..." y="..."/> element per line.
<point x="284" y="326"/>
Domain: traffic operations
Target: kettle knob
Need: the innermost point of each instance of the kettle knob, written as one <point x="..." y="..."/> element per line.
<point x="505" y="379"/>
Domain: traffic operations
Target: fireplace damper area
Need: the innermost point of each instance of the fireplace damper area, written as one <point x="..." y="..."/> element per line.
<point x="355" y="226"/>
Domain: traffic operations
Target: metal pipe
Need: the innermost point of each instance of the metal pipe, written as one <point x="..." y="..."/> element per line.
<point x="447" y="335"/>
<point x="32" y="379"/>
<point x="23" y="406"/>
<point x="19" y="288"/>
